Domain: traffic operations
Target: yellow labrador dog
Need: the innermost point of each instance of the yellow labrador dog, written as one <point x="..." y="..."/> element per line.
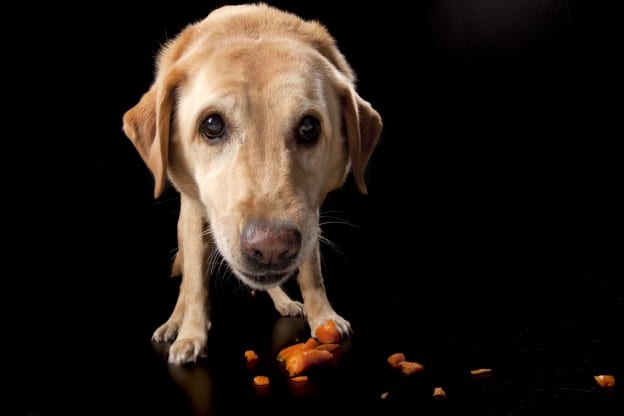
<point x="254" y="118"/>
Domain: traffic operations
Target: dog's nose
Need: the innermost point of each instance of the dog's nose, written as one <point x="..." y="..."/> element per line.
<point x="268" y="243"/>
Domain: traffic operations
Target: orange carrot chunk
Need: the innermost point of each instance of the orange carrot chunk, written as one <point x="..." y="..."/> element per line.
<point x="303" y="360"/>
<point x="261" y="380"/>
<point x="395" y="359"/>
<point x="480" y="371"/>
<point x="439" y="393"/>
<point x="410" y="367"/>
<point x="299" y="379"/>
<point x="288" y="351"/>
<point x="252" y="359"/>
<point x="328" y="347"/>
<point x="327" y="333"/>
<point x="605" y="380"/>
<point x="250" y="355"/>
<point x="310" y="343"/>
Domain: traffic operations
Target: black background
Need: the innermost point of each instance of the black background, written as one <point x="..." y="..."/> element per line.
<point x="491" y="235"/>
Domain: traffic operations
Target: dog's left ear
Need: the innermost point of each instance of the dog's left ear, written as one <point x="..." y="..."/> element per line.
<point x="362" y="126"/>
<point x="147" y="125"/>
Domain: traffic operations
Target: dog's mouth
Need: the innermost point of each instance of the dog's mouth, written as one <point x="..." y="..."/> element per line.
<point x="266" y="280"/>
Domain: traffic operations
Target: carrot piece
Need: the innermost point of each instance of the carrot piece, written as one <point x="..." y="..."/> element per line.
<point x="261" y="381"/>
<point x="288" y="351"/>
<point x="480" y="371"/>
<point x="250" y="355"/>
<point x="252" y="359"/>
<point x="605" y="380"/>
<point x="395" y="359"/>
<point x="299" y="379"/>
<point x="328" y="347"/>
<point x="310" y="343"/>
<point x="439" y="393"/>
<point x="327" y="333"/>
<point x="410" y="367"/>
<point x="303" y="360"/>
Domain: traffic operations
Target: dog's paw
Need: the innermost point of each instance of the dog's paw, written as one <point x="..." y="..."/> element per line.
<point x="290" y="308"/>
<point x="186" y="350"/>
<point x="166" y="332"/>
<point x="342" y="325"/>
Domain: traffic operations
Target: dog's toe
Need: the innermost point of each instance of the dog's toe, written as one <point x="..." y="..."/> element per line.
<point x="292" y="308"/>
<point x="186" y="350"/>
<point x="166" y="332"/>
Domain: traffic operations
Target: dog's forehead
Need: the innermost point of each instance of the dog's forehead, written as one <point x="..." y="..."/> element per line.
<point x="276" y="69"/>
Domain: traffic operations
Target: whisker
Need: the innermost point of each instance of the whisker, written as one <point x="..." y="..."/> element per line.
<point x="332" y="245"/>
<point x="339" y="222"/>
<point x="164" y="201"/>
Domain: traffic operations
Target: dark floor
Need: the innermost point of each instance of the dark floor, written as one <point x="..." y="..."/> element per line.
<point x="491" y="235"/>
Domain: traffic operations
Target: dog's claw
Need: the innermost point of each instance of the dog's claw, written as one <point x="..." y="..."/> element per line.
<point x="186" y="350"/>
<point x="166" y="332"/>
<point x="292" y="308"/>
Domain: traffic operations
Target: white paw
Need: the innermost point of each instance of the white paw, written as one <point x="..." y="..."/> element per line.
<point x="166" y="332"/>
<point x="186" y="350"/>
<point x="342" y="325"/>
<point x="290" y="308"/>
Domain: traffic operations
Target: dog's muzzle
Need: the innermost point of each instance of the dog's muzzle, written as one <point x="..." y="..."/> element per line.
<point x="269" y="250"/>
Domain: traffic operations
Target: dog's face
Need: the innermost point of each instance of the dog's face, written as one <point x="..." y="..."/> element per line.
<point x="257" y="130"/>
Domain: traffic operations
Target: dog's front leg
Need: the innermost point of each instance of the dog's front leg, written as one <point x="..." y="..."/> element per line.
<point x="193" y="297"/>
<point x="316" y="306"/>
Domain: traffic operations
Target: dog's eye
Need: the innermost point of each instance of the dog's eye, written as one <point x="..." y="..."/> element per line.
<point x="213" y="128"/>
<point x="308" y="131"/>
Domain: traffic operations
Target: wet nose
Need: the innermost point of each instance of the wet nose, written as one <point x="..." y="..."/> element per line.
<point x="270" y="243"/>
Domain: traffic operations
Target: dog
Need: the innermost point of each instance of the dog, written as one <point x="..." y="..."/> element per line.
<point x="253" y="117"/>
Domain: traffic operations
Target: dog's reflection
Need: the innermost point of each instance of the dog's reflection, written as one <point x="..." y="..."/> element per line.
<point x="195" y="381"/>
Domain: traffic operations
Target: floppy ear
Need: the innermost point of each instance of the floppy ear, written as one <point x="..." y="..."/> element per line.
<point x="362" y="125"/>
<point x="147" y="125"/>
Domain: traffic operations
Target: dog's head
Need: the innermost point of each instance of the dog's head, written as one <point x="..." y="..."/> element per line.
<point x="254" y="114"/>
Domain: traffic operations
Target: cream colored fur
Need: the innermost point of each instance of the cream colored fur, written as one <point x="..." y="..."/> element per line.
<point x="262" y="70"/>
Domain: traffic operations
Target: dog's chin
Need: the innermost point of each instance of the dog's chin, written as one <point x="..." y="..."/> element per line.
<point x="264" y="281"/>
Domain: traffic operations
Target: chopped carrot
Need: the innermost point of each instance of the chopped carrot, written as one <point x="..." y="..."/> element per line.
<point x="303" y="360"/>
<point x="299" y="379"/>
<point x="288" y="351"/>
<point x="439" y="393"/>
<point x="310" y="343"/>
<point x="605" y="380"/>
<point x="261" y="380"/>
<point x="328" y="347"/>
<point x="480" y="371"/>
<point x="250" y="355"/>
<point x="395" y="359"/>
<point x="410" y="367"/>
<point x="327" y="333"/>
<point x="252" y="359"/>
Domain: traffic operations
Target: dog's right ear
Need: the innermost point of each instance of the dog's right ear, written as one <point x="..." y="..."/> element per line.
<point x="147" y="125"/>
